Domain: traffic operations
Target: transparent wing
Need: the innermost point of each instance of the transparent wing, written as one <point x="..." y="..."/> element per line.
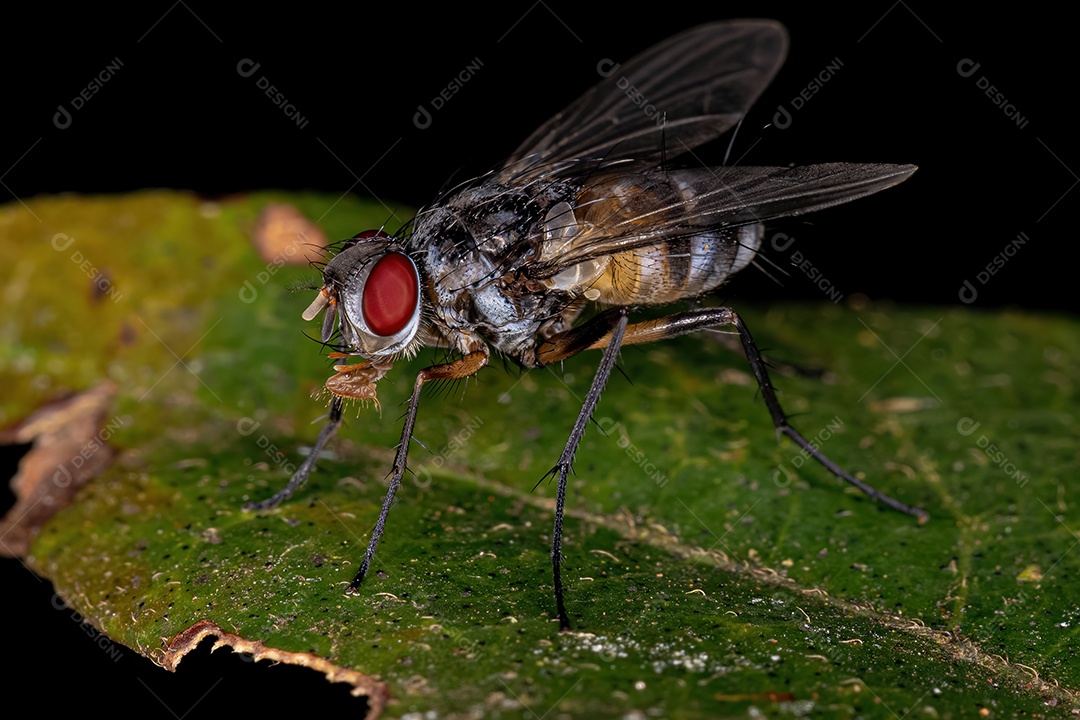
<point x="621" y="212"/>
<point x="687" y="90"/>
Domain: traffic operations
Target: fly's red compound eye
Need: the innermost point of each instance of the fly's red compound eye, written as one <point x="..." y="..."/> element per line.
<point x="390" y="295"/>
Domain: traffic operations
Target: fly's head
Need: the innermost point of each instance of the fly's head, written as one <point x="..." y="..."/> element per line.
<point x="372" y="289"/>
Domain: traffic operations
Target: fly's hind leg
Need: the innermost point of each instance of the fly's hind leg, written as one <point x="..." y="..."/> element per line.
<point x="787" y="369"/>
<point x="609" y="331"/>
<point x="701" y="318"/>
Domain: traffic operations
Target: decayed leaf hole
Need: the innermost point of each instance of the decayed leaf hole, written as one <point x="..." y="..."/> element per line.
<point x="369" y="686"/>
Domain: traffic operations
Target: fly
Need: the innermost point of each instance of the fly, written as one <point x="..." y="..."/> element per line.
<point x="586" y="213"/>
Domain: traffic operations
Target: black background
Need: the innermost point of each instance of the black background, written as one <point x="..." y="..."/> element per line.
<point x="177" y="114"/>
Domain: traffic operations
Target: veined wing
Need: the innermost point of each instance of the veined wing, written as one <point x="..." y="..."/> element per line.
<point x="675" y="96"/>
<point x="621" y="212"/>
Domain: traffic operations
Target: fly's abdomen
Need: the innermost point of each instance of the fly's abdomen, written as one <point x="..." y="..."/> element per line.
<point x="677" y="248"/>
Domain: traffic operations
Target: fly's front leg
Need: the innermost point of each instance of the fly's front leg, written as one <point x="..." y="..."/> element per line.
<point x="302" y="473"/>
<point x="612" y="325"/>
<point x="699" y="319"/>
<point x="461" y="368"/>
<point x="356" y="382"/>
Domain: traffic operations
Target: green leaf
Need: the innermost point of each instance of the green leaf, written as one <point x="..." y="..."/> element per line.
<point x="711" y="569"/>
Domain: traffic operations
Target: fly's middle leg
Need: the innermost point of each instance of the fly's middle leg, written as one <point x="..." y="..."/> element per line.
<point x="460" y="368"/>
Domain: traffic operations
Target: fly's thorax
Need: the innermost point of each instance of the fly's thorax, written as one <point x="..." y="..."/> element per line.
<point x="460" y="275"/>
<point x="473" y="247"/>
